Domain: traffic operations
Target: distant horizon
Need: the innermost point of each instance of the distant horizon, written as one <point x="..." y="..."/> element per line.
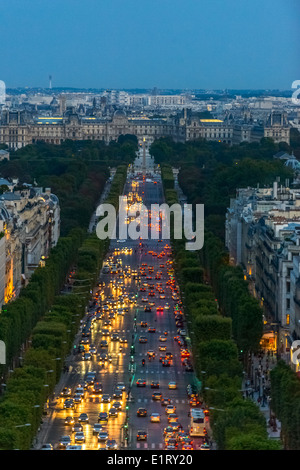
<point x="208" y="90"/>
<point x="206" y="45"/>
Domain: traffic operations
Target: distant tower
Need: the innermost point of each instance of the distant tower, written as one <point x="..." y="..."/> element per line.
<point x="50" y="82"/>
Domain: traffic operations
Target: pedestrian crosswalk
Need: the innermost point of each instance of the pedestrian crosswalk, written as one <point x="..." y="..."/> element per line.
<point x="152" y="445"/>
<point x="149" y="400"/>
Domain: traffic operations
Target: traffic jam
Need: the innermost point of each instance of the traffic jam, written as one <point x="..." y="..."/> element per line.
<point x="136" y="387"/>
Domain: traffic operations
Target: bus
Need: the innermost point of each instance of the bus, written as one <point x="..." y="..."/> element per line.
<point x="197" y="427"/>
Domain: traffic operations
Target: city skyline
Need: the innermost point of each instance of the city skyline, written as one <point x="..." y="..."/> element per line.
<point x="169" y="45"/>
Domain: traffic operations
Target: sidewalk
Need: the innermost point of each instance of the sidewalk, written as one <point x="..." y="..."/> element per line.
<point x="257" y="387"/>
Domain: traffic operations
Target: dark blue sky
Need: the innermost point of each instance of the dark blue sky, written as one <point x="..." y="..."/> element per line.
<point x="145" y="43"/>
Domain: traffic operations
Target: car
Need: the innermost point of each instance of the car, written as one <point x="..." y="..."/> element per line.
<point x="80" y="390"/>
<point x="78" y="398"/>
<point x="151" y="353"/>
<point x="194" y="401"/>
<point x="79" y="437"/>
<point x="141" y="436"/>
<point x="103" y="357"/>
<point x="165" y="401"/>
<point x="204" y="446"/>
<point x="172" y="418"/>
<point x="141" y="412"/>
<point x="69" y="404"/>
<point x="154" y="384"/>
<point x="162" y="338"/>
<point x="144" y="324"/>
<point x="184" y="353"/>
<point x="69" y="421"/>
<point x="97" y="428"/>
<point x="111" y="444"/>
<point x="141" y="383"/>
<point x="115" y="337"/>
<point x="105" y="398"/>
<point x="172" y="442"/>
<point x="102" y="417"/>
<point x="172" y="385"/>
<point x="162" y="348"/>
<point x="156" y="396"/>
<point x="169" y="432"/>
<point x="102" y="436"/>
<point x="77" y="427"/>
<point x="155" y="418"/>
<point x="97" y="388"/>
<point x="86" y="356"/>
<point x="166" y="363"/>
<point x="143" y="339"/>
<point x="170" y="409"/>
<point x="66" y="392"/>
<point x="188" y="447"/>
<point x="120" y="386"/>
<point x="151" y="329"/>
<point x="123" y="340"/>
<point x="64" y="441"/>
<point x="117" y="405"/>
<point x="47" y="447"/>
<point x="113" y="412"/>
<point x="103" y="344"/>
<point x="91" y="376"/>
<point x="159" y="309"/>
<point x="83" y="418"/>
<point x="147" y="308"/>
<point x="118" y="394"/>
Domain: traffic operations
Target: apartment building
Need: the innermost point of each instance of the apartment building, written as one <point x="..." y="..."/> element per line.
<point x="29" y="228"/>
<point x="263" y="236"/>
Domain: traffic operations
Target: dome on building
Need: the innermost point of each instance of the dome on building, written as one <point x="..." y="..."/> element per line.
<point x="293" y="163"/>
<point x="119" y="115"/>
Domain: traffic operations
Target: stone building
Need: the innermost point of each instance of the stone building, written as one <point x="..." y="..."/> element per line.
<point x="20" y="128"/>
<point x="29" y="228"/>
<point x="263" y="236"/>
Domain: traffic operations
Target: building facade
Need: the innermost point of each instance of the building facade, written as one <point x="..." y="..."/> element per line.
<point x="20" y="128"/>
<point x="263" y="236"/>
<point x="29" y="228"/>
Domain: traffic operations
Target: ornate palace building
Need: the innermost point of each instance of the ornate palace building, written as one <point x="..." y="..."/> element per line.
<point x="20" y="128"/>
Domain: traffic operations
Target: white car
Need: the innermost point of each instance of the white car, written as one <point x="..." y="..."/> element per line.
<point x="162" y="338"/>
<point x="79" y="437"/>
<point x="170" y="409"/>
<point x="155" y="418"/>
<point x="172" y="385"/>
